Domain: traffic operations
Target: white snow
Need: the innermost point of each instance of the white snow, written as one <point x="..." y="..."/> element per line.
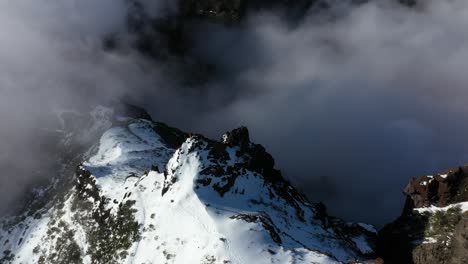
<point x="368" y="227"/>
<point x="191" y="223"/>
<point x="429" y="240"/>
<point x="432" y="209"/>
<point x="362" y="244"/>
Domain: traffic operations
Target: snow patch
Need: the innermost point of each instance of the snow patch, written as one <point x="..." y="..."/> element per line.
<point x="432" y="209"/>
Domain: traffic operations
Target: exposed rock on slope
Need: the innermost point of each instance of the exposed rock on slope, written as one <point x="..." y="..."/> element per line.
<point x="149" y="193"/>
<point x="442" y="189"/>
<point x="434" y="225"/>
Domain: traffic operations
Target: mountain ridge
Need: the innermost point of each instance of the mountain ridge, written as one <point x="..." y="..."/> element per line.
<point x="132" y="190"/>
<point x="146" y="193"/>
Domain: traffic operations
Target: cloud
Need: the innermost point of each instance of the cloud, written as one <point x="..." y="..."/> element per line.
<point x="52" y="59"/>
<point x="354" y="107"/>
<point x="351" y="102"/>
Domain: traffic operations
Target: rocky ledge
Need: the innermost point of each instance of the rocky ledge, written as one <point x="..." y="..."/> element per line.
<point x="433" y="227"/>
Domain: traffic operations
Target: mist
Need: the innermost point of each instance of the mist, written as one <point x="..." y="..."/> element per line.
<point x="352" y="109"/>
<point x="352" y="103"/>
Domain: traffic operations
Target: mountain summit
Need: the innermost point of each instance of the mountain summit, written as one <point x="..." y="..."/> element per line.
<point x="148" y="193"/>
<point x="132" y="190"/>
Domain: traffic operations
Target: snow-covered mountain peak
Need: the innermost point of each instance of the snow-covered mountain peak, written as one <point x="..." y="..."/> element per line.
<point x="149" y="193"/>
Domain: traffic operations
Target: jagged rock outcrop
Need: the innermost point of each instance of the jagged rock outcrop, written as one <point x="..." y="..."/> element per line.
<point x="432" y="228"/>
<point x="237" y="137"/>
<point x="448" y="187"/>
<point x="132" y="111"/>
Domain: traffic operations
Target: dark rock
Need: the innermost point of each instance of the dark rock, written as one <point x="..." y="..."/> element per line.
<point x="321" y="214"/>
<point x="349" y="231"/>
<point x="401" y="240"/>
<point x="237" y="137"/>
<point x="258" y="160"/>
<point x="266" y="222"/>
<point x="172" y="137"/>
<point x="460" y="242"/>
<point x="396" y="240"/>
<point x="132" y="111"/>
<point x="86" y="184"/>
<point x="222" y="10"/>
<point x="229" y="183"/>
<point x="437" y="190"/>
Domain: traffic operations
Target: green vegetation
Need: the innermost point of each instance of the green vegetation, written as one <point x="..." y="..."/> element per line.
<point x="65" y="249"/>
<point x="442" y="224"/>
<point x="7" y="256"/>
<point x="110" y="239"/>
<point x="109" y="235"/>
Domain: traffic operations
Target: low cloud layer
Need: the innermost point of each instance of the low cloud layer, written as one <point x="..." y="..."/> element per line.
<point x="351" y="104"/>
<point x="353" y="108"/>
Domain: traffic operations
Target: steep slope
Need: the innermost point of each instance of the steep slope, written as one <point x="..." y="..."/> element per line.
<point x="434" y="225"/>
<point x="148" y="193"/>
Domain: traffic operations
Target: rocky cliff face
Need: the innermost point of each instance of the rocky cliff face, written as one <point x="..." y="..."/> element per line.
<point x="433" y="225"/>
<point x="149" y="193"/>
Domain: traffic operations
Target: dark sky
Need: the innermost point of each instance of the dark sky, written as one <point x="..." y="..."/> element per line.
<point x="350" y="108"/>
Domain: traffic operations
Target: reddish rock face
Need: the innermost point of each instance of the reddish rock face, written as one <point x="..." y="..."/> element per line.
<point x="440" y="190"/>
<point x="400" y="241"/>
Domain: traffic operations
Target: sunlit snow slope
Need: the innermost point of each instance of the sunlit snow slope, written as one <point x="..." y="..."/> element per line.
<point x="148" y="193"/>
